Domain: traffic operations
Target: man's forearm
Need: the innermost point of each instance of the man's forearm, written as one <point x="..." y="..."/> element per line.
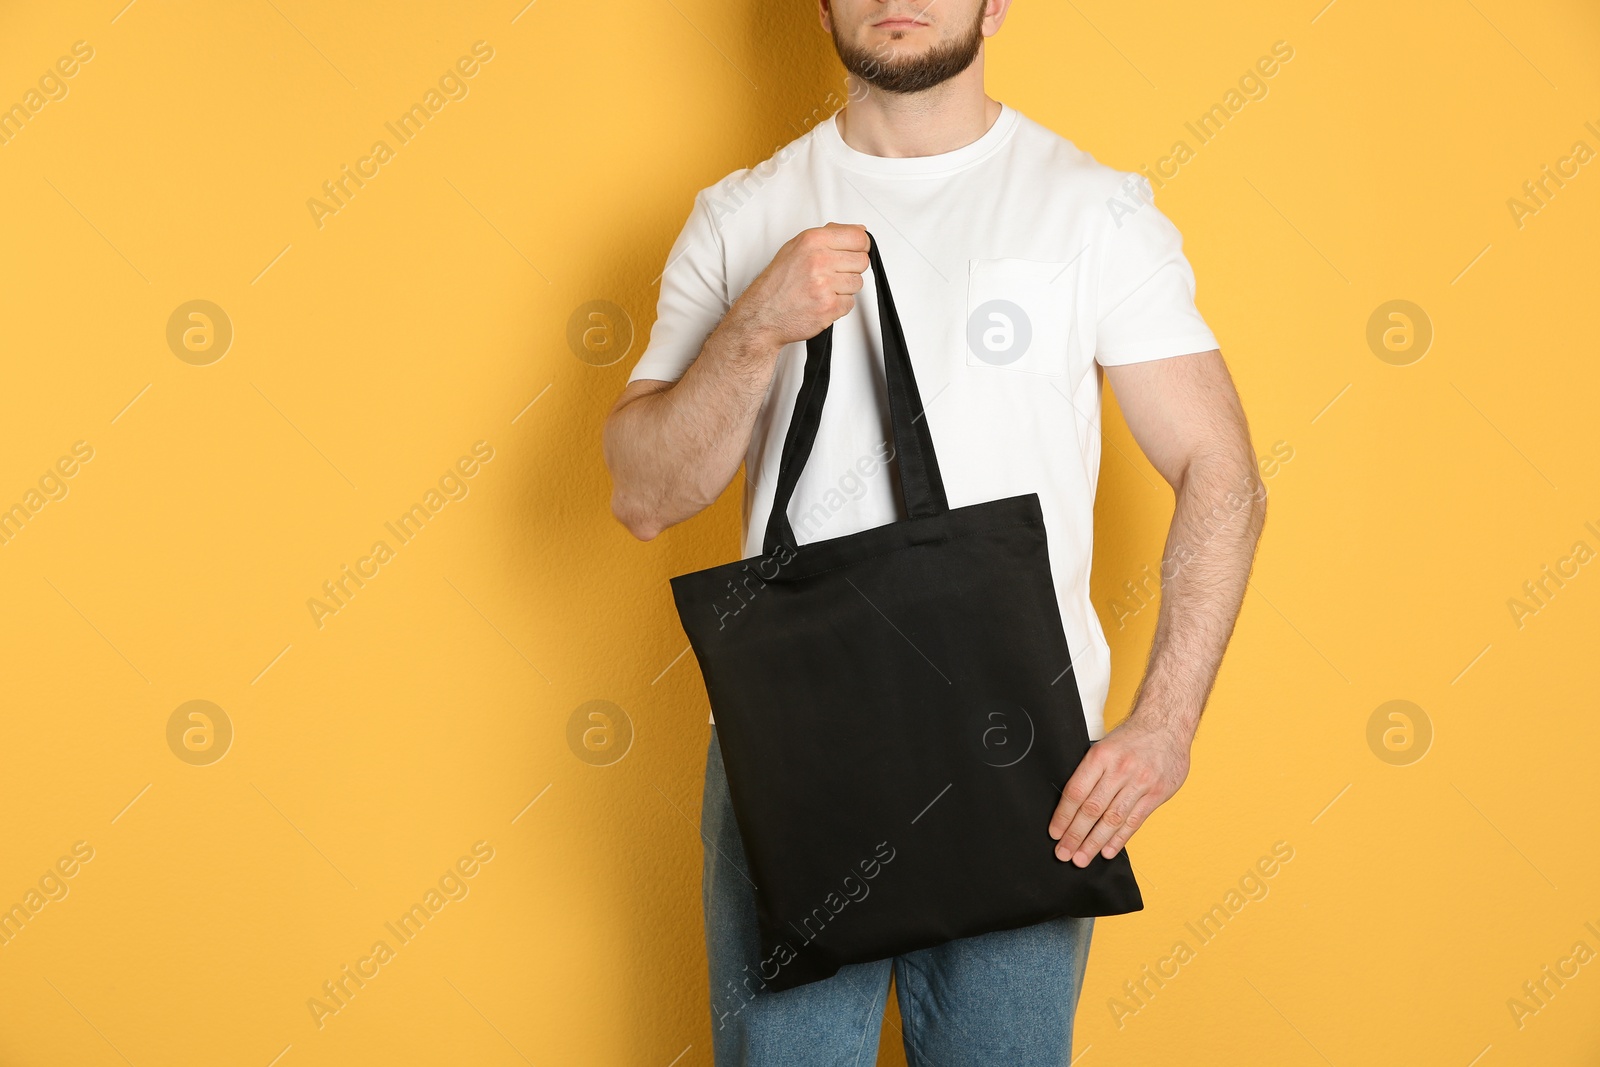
<point x="672" y="452"/>
<point x="1216" y="522"/>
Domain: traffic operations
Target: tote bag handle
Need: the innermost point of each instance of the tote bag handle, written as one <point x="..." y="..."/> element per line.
<point x="921" y="485"/>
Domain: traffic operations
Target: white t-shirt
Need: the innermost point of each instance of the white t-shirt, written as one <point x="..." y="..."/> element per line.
<point x="1017" y="264"/>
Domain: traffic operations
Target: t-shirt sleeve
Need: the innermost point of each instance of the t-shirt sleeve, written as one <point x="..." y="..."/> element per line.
<point x="693" y="299"/>
<point x="1146" y="293"/>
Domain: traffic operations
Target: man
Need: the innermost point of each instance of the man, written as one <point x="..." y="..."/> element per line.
<point x="1023" y="270"/>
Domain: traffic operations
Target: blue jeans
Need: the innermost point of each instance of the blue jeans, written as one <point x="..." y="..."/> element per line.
<point x="1002" y="998"/>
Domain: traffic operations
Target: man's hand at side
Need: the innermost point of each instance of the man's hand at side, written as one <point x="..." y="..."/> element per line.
<point x="1126" y="775"/>
<point x="1185" y="415"/>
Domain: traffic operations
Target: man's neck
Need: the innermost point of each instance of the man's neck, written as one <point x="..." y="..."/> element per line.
<point x="941" y="119"/>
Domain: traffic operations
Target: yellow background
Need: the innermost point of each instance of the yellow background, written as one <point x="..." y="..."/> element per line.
<point x="432" y="310"/>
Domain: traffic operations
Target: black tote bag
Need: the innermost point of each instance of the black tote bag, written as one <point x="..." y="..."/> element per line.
<point x="896" y="710"/>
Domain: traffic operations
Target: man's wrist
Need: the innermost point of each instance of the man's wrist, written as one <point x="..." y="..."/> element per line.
<point x="1178" y="717"/>
<point x="751" y="317"/>
<point x="749" y="338"/>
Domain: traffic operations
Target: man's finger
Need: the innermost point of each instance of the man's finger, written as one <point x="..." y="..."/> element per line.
<point x="1111" y="821"/>
<point x="1135" y="819"/>
<point x="849" y="266"/>
<point x="1088" y="814"/>
<point x="1076" y="790"/>
<point x="847" y="236"/>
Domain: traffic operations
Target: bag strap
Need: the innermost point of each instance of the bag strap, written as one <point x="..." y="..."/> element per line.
<point x="921" y="484"/>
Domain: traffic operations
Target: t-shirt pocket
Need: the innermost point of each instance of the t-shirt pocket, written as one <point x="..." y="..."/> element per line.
<point x="1019" y="315"/>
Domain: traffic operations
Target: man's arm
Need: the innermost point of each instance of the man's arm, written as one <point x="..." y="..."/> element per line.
<point x="673" y="447"/>
<point x="1186" y="416"/>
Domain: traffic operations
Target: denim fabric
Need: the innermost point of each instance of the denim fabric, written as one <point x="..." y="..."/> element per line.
<point x="1002" y="998"/>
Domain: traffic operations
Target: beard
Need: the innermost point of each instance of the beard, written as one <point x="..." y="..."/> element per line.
<point x="913" y="74"/>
